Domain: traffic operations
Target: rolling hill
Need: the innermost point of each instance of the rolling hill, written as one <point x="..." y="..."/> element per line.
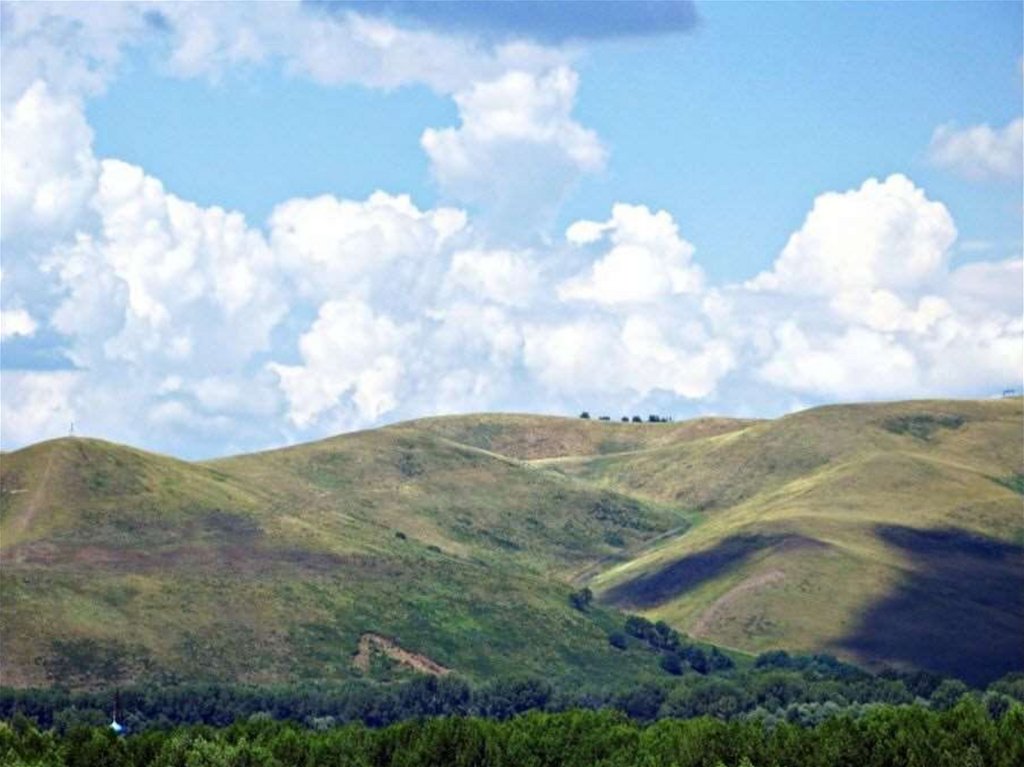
<point x="119" y="564"/>
<point x="879" y="532"/>
<point x="885" y="533"/>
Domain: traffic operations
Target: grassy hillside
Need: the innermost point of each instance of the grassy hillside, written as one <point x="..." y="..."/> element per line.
<point x="120" y="564"/>
<point x="885" y="533"/>
<point x="532" y="437"/>
<point x="882" y="532"/>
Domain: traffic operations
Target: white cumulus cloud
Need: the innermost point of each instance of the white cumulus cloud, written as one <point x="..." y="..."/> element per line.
<point x="16" y="322"/>
<point x="886" y="234"/>
<point x="352" y="364"/>
<point x="647" y="260"/>
<point x="36" y="405"/>
<point x="501" y="276"/>
<point x="164" y="279"/>
<point x="48" y="170"/>
<point x="861" y="303"/>
<point x="633" y="357"/>
<point x="854" y="364"/>
<point x="383" y="245"/>
<point x="980" y="151"/>
<point x="518" y="149"/>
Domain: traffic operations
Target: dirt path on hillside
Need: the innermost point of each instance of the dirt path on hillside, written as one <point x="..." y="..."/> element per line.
<point x="21" y="524"/>
<point x="370" y="643"/>
<point x="716" y="608"/>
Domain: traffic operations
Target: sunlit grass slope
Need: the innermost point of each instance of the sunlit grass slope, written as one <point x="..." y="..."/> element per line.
<point x="531" y="437"/>
<point x="887" y="533"/>
<point x="119" y="564"/>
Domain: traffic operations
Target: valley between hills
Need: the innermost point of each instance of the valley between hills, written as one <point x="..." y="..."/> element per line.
<point x="886" y="534"/>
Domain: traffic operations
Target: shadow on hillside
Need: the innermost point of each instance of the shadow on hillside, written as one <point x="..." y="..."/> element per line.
<point x="684" y="574"/>
<point x="961" y="612"/>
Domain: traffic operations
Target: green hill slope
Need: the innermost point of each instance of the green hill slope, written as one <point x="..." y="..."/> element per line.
<point x="532" y="437"/>
<point x="885" y="533"/>
<point x="118" y="564"/>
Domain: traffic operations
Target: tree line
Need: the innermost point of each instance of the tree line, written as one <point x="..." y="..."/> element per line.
<point x="777" y="687"/>
<point x="585" y="415"/>
<point x="962" y="736"/>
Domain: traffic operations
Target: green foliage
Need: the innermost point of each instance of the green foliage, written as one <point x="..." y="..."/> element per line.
<point x="1014" y="481"/>
<point x="618" y="640"/>
<point x="74" y="660"/>
<point x="671" y="663"/>
<point x="580" y="600"/>
<point x="923" y="426"/>
<point x="948" y="694"/>
<point x="759" y="716"/>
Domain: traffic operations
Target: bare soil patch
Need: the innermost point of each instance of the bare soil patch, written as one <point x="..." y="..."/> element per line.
<point x="375" y="643"/>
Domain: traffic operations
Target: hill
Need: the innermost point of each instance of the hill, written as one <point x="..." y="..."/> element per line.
<point x="885" y="533"/>
<point x="120" y="564"/>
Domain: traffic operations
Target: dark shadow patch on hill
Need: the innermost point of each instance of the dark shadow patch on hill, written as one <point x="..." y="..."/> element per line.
<point x="960" y="611"/>
<point x="923" y="426"/>
<point x="677" y="577"/>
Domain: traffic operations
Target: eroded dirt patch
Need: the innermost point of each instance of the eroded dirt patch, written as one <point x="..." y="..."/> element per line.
<point x="375" y="643"/>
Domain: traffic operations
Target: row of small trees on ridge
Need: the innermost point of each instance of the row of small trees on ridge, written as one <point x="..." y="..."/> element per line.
<point x="626" y="419"/>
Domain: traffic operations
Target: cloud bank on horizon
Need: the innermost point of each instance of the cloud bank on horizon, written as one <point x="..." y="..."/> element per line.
<point x="155" y="320"/>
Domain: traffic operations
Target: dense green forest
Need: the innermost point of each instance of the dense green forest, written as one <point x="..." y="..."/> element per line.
<point x="776" y="686"/>
<point x="780" y="709"/>
<point x="882" y="735"/>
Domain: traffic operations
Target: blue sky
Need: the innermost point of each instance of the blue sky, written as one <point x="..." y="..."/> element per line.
<point x="790" y="204"/>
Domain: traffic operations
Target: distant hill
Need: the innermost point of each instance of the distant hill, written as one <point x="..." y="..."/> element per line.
<point x="888" y="533"/>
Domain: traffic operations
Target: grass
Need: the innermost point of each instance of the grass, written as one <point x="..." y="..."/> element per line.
<point x="833" y="478"/>
<point x="270" y="567"/>
<point x="461" y="538"/>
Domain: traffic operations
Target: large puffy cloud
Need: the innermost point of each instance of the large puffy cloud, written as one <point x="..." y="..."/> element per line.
<point x="886" y="234"/>
<point x="634" y="357"/>
<point x="853" y="364"/>
<point x="500" y="276"/>
<point x="631" y="319"/>
<point x="165" y="309"/>
<point x="48" y="170"/>
<point x="153" y="295"/>
<point x="165" y="279"/>
<point x="517" y="150"/>
<point x="352" y="359"/>
<point x="861" y="303"/>
<point x="382" y="246"/>
<point x="647" y="261"/>
<point x="980" y="151"/>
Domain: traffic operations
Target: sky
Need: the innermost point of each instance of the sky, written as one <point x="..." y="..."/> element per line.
<point x="229" y="227"/>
